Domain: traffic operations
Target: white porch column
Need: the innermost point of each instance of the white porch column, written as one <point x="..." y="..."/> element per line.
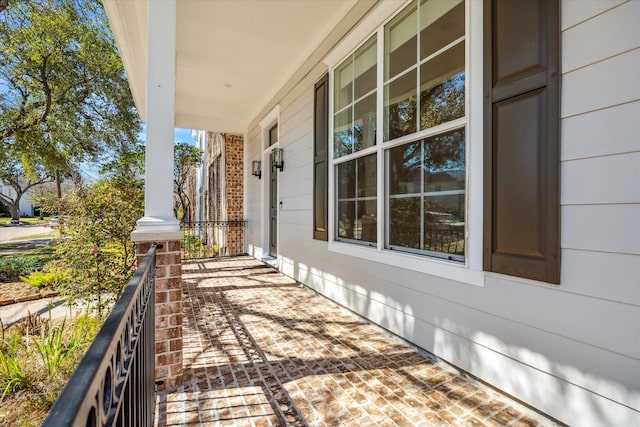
<point x="158" y="217"/>
<point x="158" y="224"/>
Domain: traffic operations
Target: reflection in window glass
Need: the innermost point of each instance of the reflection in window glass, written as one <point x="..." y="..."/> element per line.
<point x="422" y="76"/>
<point x="364" y="128"/>
<point x="273" y="135"/>
<point x="441" y="23"/>
<point x="428" y="86"/>
<point x="442" y="88"/>
<point x="400" y="106"/>
<point x="365" y="61"/>
<point x="343" y="90"/>
<point x="354" y="120"/>
<point x="426" y="181"/>
<point x="357" y="199"/>
<point x="342" y="133"/>
<point x="400" y="42"/>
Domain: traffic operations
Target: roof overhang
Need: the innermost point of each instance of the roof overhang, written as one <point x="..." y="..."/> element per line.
<point x="233" y="58"/>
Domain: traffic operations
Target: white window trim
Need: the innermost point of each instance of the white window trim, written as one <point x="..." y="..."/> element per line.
<point x="470" y="271"/>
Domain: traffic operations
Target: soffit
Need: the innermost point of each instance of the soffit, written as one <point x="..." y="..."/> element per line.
<point x="232" y="57"/>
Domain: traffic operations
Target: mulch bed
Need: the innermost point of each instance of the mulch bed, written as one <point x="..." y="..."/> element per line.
<point x="13" y="292"/>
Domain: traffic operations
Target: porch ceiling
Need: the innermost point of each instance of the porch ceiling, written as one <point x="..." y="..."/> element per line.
<point x="232" y="57"/>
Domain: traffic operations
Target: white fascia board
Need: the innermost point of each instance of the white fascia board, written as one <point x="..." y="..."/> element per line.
<point x="128" y="21"/>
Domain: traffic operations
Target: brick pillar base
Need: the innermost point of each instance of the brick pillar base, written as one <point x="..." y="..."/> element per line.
<point x="168" y="310"/>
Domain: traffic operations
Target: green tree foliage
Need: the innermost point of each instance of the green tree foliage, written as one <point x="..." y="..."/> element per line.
<point x="100" y="256"/>
<point x="126" y="163"/>
<point x="186" y="158"/>
<point x="64" y="96"/>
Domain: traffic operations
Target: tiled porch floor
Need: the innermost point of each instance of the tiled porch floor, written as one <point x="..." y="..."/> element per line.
<point x="260" y="350"/>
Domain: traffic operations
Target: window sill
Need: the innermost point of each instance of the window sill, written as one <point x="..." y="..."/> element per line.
<point x="432" y="266"/>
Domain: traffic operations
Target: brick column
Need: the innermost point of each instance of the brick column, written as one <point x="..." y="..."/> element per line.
<point x="168" y="310"/>
<point x="234" y="176"/>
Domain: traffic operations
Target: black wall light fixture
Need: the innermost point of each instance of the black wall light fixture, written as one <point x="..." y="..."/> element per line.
<point x="256" y="169"/>
<point x="277" y="160"/>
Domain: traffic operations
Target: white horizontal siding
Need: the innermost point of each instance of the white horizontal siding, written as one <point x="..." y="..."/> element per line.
<point x="605" y="228"/>
<point x="606" y="35"/>
<point x="299" y="203"/>
<point x="612" y="130"/>
<point x="577" y="11"/>
<point x="253" y="189"/>
<point x="610" y="82"/>
<point x="605" y="275"/>
<point x="601" y="180"/>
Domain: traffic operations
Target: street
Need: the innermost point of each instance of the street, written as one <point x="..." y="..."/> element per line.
<point x="8" y="234"/>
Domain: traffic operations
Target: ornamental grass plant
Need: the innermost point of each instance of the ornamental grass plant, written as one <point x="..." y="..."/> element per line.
<point x="37" y="357"/>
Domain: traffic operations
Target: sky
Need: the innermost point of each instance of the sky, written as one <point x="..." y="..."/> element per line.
<point x="90" y="171"/>
<point x="183" y="135"/>
<point x="179" y="135"/>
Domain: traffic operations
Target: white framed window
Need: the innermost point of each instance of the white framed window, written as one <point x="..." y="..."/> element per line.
<point x="417" y="215"/>
<point x="354" y="145"/>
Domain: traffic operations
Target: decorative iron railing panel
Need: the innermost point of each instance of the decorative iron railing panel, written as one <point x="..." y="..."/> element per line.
<point x="210" y="239"/>
<point x="114" y="383"/>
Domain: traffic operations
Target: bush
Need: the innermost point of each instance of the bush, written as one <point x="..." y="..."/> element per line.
<point x="11" y="268"/>
<point x="99" y="256"/>
<point x="41" y="279"/>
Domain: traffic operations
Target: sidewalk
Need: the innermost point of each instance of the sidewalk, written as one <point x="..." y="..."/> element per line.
<point x="261" y="350"/>
<point x="13" y="313"/>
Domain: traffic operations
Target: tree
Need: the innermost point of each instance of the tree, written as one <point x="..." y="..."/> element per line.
<point x="126" y="163"/>
<point x="13" y="175"/>
<point x="186" y="158"/>
<point x="100" y="255"/>
<point x="64" y="97"/>
<point x="45" y="196"/>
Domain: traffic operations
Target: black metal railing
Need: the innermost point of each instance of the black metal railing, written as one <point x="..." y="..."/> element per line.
<point x="210" y="239"/>
<point x="114" y="383"/>
<point x="449" y="240"/>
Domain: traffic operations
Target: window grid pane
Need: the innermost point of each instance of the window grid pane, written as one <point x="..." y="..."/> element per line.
<point x="357" y="200"/>
<point x="354" y="121"/>
<point x="434" y="93"/>
<point x="426" y="186"/>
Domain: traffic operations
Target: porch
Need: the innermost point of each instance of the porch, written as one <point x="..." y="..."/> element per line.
<point x="260" y="349"/>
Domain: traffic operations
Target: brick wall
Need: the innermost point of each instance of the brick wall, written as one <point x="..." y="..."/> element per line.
<point x="168" y="310"/>
<point x="233" y="148"/>
<point x="234" y="175"/>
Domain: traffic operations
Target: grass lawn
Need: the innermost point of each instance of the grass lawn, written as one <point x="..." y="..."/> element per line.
<point x="40" y="251"/>
<point x="53" y="235"/>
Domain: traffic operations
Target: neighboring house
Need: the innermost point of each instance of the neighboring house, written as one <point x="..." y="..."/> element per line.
<point x="219" y="186"/>
<point x="378" y="107"/>
<point x="26" y="207"/>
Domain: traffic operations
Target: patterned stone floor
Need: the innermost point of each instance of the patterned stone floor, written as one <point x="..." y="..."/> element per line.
<point x="261" y="350"/>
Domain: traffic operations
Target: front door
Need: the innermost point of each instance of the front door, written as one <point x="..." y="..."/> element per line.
<point x="273" y="208"/>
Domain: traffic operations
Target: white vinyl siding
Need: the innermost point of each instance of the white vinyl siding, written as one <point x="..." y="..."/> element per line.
<point x="570" y="350"/>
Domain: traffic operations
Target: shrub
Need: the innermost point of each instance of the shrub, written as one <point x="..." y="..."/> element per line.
<point x="99" y="256"/>
<point x="41" y="279"/>
<point x="11" y="268"/>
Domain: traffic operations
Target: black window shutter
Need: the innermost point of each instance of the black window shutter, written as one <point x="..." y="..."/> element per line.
<point x="320" y="159"/>
<point x="521" y="140"/>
